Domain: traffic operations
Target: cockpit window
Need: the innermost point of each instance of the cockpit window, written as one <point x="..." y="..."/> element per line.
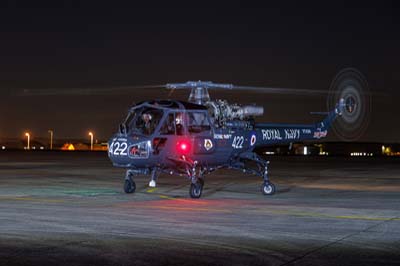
<point x="174" y="124"/>
<point x="168" y="127"/>
<point x="198" y="122"/>
<point x="143" y="120"/>
<point x="180" y="123"/>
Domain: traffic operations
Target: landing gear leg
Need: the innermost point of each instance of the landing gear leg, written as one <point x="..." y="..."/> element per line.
<point x="267" y="187"/>
<point x="154" y="176"/>
<point x="129" y="185"/>
<point x="197" y="181"/>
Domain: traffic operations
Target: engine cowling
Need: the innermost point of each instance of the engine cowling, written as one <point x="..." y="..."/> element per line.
<point x="221" y="111"/>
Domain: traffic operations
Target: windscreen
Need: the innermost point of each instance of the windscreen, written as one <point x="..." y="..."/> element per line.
<point x="143" y="120"/>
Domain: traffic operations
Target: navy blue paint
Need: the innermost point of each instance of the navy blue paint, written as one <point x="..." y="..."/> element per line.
<point x="227" y="143"/>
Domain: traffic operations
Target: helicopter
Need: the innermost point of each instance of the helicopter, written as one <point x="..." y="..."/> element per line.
<point x="196" y="137"/>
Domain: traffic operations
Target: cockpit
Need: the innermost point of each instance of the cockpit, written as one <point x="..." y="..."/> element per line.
<point x="146" y="119"/>
<point x="142" y="121"/>
<point x="181" y="123"/>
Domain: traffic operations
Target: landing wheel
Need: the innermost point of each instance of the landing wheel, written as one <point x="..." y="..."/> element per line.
<point x="129" y="186"/>
<point x="196" y="189"/>
<point x="268" y="188"/>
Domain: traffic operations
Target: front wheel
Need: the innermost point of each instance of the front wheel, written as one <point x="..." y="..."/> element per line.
<point x="196" y="189"/>
<point x="268" y="189"/>
<point x="129" y="186"/>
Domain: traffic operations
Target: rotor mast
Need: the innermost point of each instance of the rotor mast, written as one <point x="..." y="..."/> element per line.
<point x="199" y="89"/>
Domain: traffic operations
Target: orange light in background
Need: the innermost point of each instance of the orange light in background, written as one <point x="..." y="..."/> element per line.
<point x="91" y="140"/>
<point x="28" y="140"/>
<point x="68" y="147"/>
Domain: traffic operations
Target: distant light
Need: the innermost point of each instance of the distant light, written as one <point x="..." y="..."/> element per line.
<point x="361" y="154"/>
<point x="41" y="147"/>
<point x="3" y="147"/>
<point x="305" y="152"/>
<point x="269" y="152"/>
<point x="91" y="140"/>
<point x="28" y="140"/>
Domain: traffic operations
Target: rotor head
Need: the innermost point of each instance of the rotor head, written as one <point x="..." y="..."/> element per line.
<point x="199" y="89"/>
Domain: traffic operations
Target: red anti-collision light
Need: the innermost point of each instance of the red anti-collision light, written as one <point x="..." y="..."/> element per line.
<point x="183" y="146"/>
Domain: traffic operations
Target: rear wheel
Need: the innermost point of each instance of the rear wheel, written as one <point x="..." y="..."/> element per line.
<point x="129" y="186"/>
<point x="196" y="189"/>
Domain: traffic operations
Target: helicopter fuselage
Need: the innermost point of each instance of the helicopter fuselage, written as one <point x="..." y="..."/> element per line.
<point x="185" y="130"/>
<point x="187" y="139"/>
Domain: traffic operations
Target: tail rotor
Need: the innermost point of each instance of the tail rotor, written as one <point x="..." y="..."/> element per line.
<point x="351" y="87"/>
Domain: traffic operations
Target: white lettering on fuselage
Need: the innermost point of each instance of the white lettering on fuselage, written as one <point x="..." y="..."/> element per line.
<point x="222" y="136"/>
<point x="275" y="134"/>
<point x="238" y="142"/>
<point x="271" y="134"/>
<point x="292" y="133"/>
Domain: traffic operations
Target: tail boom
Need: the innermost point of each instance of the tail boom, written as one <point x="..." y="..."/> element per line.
<point x="270" y="134"/>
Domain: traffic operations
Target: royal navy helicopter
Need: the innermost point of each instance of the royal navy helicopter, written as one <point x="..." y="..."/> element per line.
<point x="193" y="138"/>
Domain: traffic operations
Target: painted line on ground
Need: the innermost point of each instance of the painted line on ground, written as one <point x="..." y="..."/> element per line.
<point x="31" y="199"/>
<point x="194" y="209"/>
<point x="321" y="215"/>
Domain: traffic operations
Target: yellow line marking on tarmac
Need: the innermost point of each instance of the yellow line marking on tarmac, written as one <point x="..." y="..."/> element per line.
<point x="151" y="190"/>
<point x="31" y="199"/>
<point x="321" y="215"/>
<point x="190" y="209"/>
<point x="191" y="201"/>
<point x="359" y="187"/>
<point x="166" y="197"/>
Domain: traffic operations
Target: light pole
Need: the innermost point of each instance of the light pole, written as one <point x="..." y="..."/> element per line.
<point x="91" y="140"/>
<point x="29" y="139"/>
<point x="51" y="138"/>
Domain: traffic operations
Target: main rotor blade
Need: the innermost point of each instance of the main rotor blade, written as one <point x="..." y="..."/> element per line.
<point x="82" y="91"/>
<point x="128" y="90"/>
<point x="273" y="90"/>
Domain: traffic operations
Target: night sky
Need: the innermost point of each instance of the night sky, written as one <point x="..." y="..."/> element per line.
<point x="59" y="46"/>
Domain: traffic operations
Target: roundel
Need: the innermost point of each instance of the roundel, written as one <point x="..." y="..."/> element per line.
<point x="253" y="140"/>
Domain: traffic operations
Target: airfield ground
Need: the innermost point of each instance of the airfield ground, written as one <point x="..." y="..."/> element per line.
<point x="70" y="209"/>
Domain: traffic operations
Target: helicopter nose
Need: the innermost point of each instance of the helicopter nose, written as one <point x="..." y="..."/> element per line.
<point x="129" y="152"/>
<point x="140" y="149"/>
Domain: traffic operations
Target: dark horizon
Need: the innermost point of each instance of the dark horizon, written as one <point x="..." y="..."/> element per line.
<point x="74" y="45"/>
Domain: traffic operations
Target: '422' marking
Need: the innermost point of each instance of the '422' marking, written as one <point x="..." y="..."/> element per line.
<point x="238" y="142"/>
<point x="118" y="148"/>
